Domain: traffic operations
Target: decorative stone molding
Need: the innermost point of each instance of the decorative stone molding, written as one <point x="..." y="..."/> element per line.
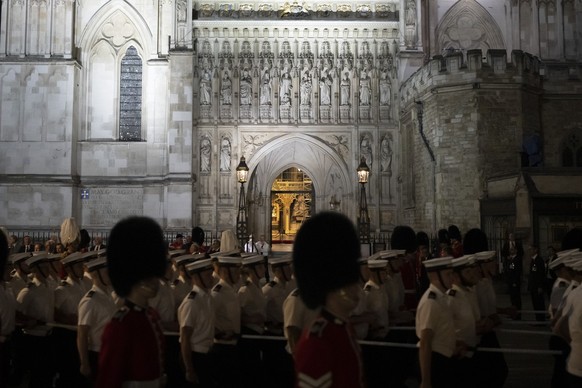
<point x="467" y="25"/>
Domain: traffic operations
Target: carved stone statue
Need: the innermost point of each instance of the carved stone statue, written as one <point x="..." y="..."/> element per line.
<point x="365" y="89"/>
<point x="266" y="88"/>
<point x="386" y="154"/>
<point x="384" y="90"/>
<point x="366" y="149"/>
<point x="246" y="88"/>
<point x="325" y="83"/>
<point x="306" y="88"/>
<point x="205" y="149"/>
<point x="205" y="88"/>
<point x="226" y="89"/>
<point x="345" y="89"/>
<point x="285" y="88"/>
<point x="225" y="155"/>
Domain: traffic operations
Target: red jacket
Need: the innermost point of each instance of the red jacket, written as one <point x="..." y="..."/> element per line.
<point x="132" y="347"/>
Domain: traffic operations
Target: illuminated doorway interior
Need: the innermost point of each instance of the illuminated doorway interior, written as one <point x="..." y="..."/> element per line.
<point x="292" y="203"/>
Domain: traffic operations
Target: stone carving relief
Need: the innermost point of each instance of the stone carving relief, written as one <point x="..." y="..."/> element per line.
<point x="206" y="87"/>
<point x="205" y="154"/>
<point x="252" y="142"/>
<point x="365" y="89"/>
<point x="118" y="30"/>
<point x="366" y="148"/>
<point x="294" y="10"/>
<point x="364" y="10"/>
<point x="410" y="37"/>
<point x="340" y="143"/>
<point x="467" y="25"/>
<point x="206" y="10"/>
<point x="306" y="87"/>
<point x="225" y="153"/>
<point x="226" y="89"/>
<point x="225" y="10"/>
<point x="246" y="10"/>
<point x="265" y="10"/>
<point x="181" y="11"/>
<point x="266" y="87"/>
<point x="324" y="10"/>
<point x="344" y="10"/>
<point x="246" y="62"/>
<point x="345" y="87"/>
<point x="225" y="56"/>
<point x="386" y="151"/>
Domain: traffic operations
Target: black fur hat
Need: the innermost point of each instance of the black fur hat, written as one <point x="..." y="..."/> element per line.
<point x="403" y="237"/>
<point x="454" y="232"/>
<point x="422" y="239"/>
<point x="3" y="251"/>
<point x="135" y="251"/>
<point x="197" y="235"/>
<point x="325" y="256"/>
<point x="572" y="239"/>
<point x="475" y="241"/>
<point x="443" y="236"/>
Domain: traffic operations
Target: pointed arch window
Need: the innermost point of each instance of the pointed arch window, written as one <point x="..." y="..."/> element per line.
<point x="130" y="96"/>
<point x="572" y="150"/>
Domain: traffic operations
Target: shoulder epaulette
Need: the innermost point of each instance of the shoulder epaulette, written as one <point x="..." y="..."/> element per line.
<point x="121" y="313"/>
<point x="90" y="294"/>
<point x="217" y="288"/>
<point x="64" y="283"/>
<point x="317" y="327"/>
<point x="192" y="294"/>
<point x="432" y="295"/>
<point x="272" y="283"/>
<point x="451" y="292"/>
<point x="295" y="292"/>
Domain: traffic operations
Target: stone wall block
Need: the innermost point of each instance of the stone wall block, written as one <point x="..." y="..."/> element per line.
<point x="497" y="60"/>
<point x="474" y="59"/>
<point x="454" y="61"/>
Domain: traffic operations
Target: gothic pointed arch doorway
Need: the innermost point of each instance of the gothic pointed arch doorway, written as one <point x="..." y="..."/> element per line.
<point x="292" y="203"/>
<point x="319" y="169"/>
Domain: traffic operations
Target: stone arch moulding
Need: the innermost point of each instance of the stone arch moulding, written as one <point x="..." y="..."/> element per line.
<point x="91" y="33"/>
<point x="467" y="25"/>
<point x="310" y="154"/>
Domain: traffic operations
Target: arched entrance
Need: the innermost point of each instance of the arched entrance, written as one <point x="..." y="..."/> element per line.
<point x="321" y="173"/>
<point x="292" y="203"/>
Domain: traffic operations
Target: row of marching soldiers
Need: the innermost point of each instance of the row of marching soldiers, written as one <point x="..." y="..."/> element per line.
<point x="457" y="314"/>
<point x="205" y="305"/>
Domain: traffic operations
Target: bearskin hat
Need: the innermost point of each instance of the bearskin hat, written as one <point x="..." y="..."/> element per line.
<point x="475" y="241"/>
<point x="135" y="251"/>
<point x="325" y="256"/>
<point x="197" y="235"/>
<point x="572" y="239"/>
<point x="403" y="237"/>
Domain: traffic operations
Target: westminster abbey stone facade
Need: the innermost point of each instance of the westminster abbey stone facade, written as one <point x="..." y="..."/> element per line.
<point x="466" y="112"/>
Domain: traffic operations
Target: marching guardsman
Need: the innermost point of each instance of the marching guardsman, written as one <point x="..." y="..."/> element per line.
<point x="435" y="327"/>
<point x="95" y="310"/>
<point x="253" y="315"/>
<point x="475" y="243"/>
<point x="328" y="354"/>
<point x="22" y="275"/>
<point x="278" y="362"/>
<point x="276" y="291"/>
<point x="377" y="304"/>
<point x="227" y="321"/>
<point x="296" y="317"/>
<point x="67" y="297"/>
<point x="37" y="306"/>
<point x="562" y="282"/>
<point x="166" y="306"/>
<point x="536" y="282"/>
<point x="465" y="308"/>
<point x="196" y="320"/>
<point x="182" y="284"/>
<point x="360" y="317"/>
<point x="132" y="344"/>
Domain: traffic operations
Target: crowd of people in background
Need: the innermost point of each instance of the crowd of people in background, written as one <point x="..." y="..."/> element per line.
<point x="114" y="313"/>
